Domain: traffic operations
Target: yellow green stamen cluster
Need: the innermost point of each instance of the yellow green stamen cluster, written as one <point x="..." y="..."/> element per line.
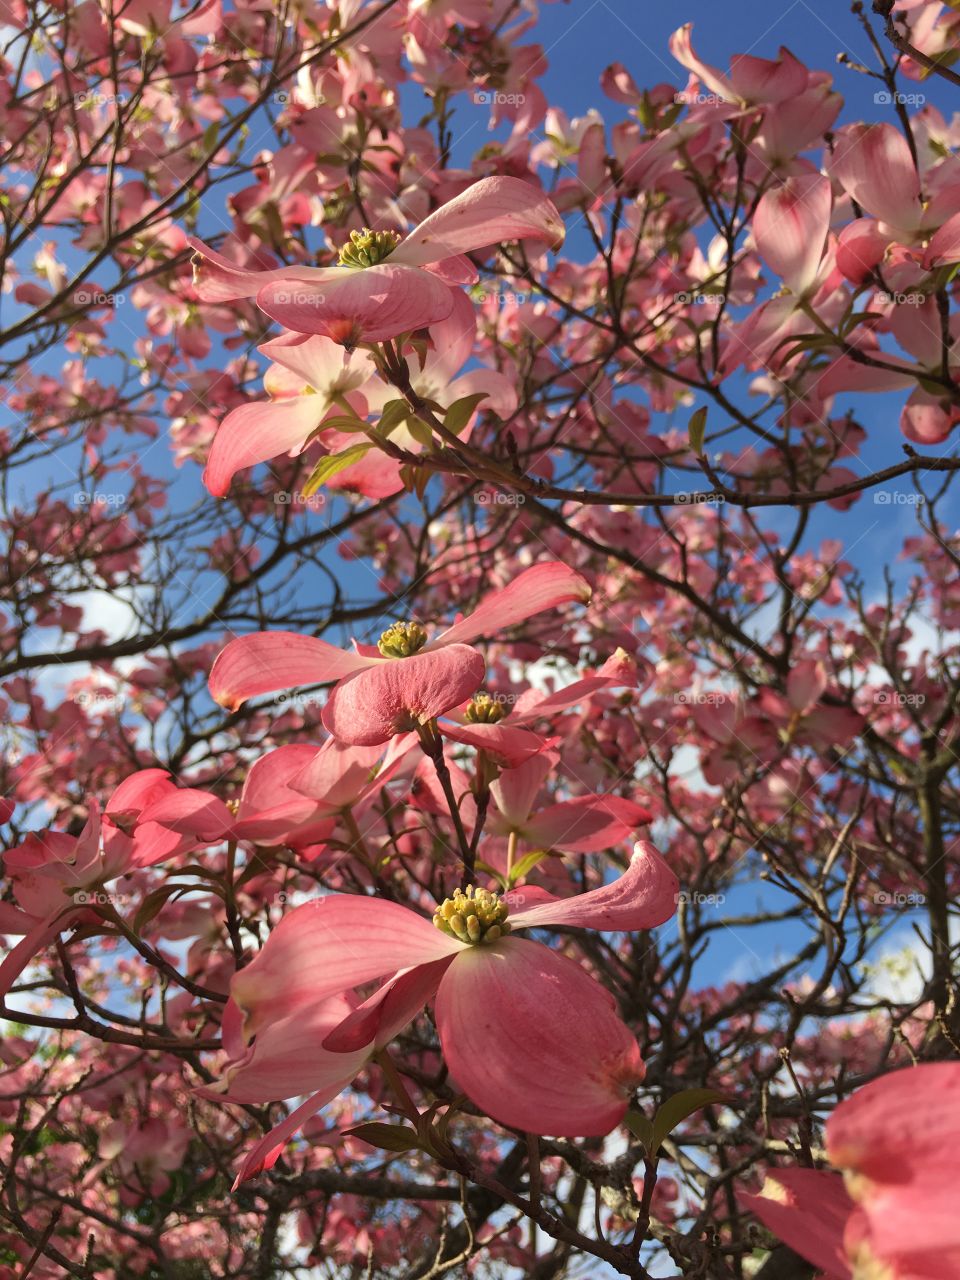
<point x="402" y="639"/>
<point x="473" y="915"/>
<point x="482" y="709"/>
<point x="366" y="248"/>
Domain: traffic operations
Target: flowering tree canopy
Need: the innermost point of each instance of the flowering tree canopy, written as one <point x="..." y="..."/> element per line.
<point x="480" y="646"/>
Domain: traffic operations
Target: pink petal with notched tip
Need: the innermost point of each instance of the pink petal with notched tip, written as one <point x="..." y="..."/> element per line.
<point x="545" y="586"/>
<point x="808" y="1210"/>
<point x="368" y="304"/>
<point x="790" y="228"/>
<point x="268" y="661"/>
<point x="872" y="162"/>
<point x="643" y="897"/>
<point x="329" y="946"/>
<point x="534" y="1041"/>
<point x="489" y="212"/>
<point x="585" y="825"/>
<point x="217" y="279"/>
<point x="767" y="81"/>
<point x="254" y="433"/>
<point x="394" y="696"/>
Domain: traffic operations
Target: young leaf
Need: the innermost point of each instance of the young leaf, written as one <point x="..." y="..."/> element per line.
<point x="388" y="1137"/>
<point x="461" y="411"/>
<point x="676" y="1109"/>
<point x="329" y="466"/>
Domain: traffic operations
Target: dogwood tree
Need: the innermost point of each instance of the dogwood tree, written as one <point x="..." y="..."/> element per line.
<point x="479" y="650"/>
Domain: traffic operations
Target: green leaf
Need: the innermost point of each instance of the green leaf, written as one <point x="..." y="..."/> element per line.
<point x="461" y="411"/>
<point x="333" y="463"/>
<point x="640" y="1127"/>
<point x="526" y="864"/>
<point x="394" y="412"/>
<point x="388" y="1137"/>
<point x="421" y="431"/>
<point x="698" y="425"/>
<point x="675" y="1110"/>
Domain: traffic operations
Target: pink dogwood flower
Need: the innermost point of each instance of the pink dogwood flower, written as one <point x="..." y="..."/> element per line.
<point x="384" y="285"/>
<point x="527" y="1034"/>
<point x="403" y="682"/>
<point x="895" y="1142"/>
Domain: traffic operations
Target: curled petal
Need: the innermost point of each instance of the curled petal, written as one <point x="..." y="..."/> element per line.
<point x="502" y="742"/>
<point x="535" y="1041"/>
<point x="643" y="897"/>
<point x="487" y="213"/>
<point x="395" y="696"/>
<point x="271" y="660"/>
<point x="217" y="279"/>
<point x="545" y="586"/>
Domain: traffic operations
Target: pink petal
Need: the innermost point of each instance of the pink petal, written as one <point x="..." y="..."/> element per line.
<point x="286" y="1060"/>
<point x="395" y="696"/>
<point x="217" y="279"/>
<point x="190" y="811"/>
<point x="805" y="684"/>
<point x="491" y="211"/>
<point x="585" y="825"/>
<point x="643" y="897"/>
<point x="860" y="247"/>
<point x="268" y="661"/>
<point x="502" y="742"/>
<point x="317" y="361"/>
<point x="359" y="305"/>
<point x="944" y="244"/>
<point x="329" y="946"/>
<point x="808" y="1210"/>
<point x="545" y="586"/>
<point x="265" y="1154"/>
<point x="516" y="790"/>
<point x="681" y="46"/>
<point x="874" y="166"/>
<point x="534" y="1041"/>
<point x="254" y="433"/>
<point x="30" y="946"/>
<point x="763" y="80"/>
<point x="790" y="227"/>
<point x="388" y="1010"/>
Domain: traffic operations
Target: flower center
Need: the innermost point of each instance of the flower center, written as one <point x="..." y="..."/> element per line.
<point x="402" y="639"/>
<point x="366" y="248"/>
<point x="482" y="709"/>
<point x="472" y="915"/>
